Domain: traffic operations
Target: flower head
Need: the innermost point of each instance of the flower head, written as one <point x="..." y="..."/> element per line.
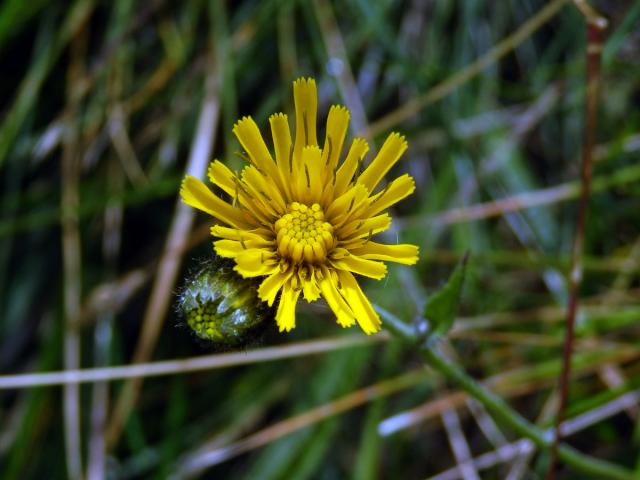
<point x="304" y="220"/>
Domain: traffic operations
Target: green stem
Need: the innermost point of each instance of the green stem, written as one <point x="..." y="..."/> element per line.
<point x="497" y="406"/>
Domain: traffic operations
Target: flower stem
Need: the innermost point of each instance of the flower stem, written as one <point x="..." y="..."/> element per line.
<point x="497" y="406"/>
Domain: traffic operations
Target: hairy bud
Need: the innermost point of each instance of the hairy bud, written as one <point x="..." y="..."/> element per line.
<point x="221" y="306"/>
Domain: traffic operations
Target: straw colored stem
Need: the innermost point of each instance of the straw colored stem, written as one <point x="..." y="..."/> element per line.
<point x="72" y="263"/>
<point x="187" y="365"/>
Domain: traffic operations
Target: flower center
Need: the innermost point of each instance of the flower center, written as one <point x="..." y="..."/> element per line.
<point x="303" y="235"/>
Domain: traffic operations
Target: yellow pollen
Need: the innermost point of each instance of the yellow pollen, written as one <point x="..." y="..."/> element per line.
<point x="302" y="234"/>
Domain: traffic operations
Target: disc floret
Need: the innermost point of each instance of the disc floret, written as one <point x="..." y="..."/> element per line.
<point x="303" y="235"/>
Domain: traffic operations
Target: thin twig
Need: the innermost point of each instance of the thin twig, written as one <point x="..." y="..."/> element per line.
<point x="451" y="420"/>
<point x="459" y="444"/>
<point x="591" y="15"/>
<point x="187" y="365"/>
<point x="486" y="423"/>
<point x="594" y="53"/>
<point x="505" y="453"/>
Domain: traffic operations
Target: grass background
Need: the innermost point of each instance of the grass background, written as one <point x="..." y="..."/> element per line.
<point x="105" y="105"/>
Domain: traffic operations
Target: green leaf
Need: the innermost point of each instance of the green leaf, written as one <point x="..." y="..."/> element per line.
<point x="440" y="309"/>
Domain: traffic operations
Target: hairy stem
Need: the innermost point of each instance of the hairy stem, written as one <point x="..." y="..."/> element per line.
<point x="497" y="406"/>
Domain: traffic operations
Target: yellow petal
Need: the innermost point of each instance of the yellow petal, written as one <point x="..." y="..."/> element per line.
<point x="404" y="253"/>
<point x="251" y="140"/>
<point x="265" y="190"/>
<point x="271" y="285"/>
<point x="334" y="299"/>
<point x="305" y="278"/>
<point x="337" y="125"/>
<point x="230" y="248"/>
<point x="348" y="206"/>
<point x="345" y="203"/>
<point x="255" y="262"/>
<point x="311" y="291"/>
<point x="309" y="184"/>
<point x="344" y="175"/>
<point x="368" y="227"/>
<point x="220" y="175"/>
<point x="251" y="202"/>
<point x="196" y="194"/>
<point x="305" y="98"/>
<point x="395" y="191"/>
<point x="286" y="314"/>
<point x="283" y="149"/>
<point x="361" y="266"/>
<point x="392" y="149"/>
<point x="365" y="314"/>
<point x="261" y="236"/>
<point x="227" y="248"/>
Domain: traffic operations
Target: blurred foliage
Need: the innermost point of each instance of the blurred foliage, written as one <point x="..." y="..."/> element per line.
<point x="117" y="88"/>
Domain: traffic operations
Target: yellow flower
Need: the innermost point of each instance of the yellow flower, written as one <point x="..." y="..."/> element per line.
<point x="305" y="220"/>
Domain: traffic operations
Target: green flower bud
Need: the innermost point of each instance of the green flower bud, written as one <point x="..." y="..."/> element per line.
<point x="221" y="306"/>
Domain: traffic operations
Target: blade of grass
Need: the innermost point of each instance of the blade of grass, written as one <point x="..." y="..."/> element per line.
<point x="30" y="87"/>
<point x="463" y="75"/>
